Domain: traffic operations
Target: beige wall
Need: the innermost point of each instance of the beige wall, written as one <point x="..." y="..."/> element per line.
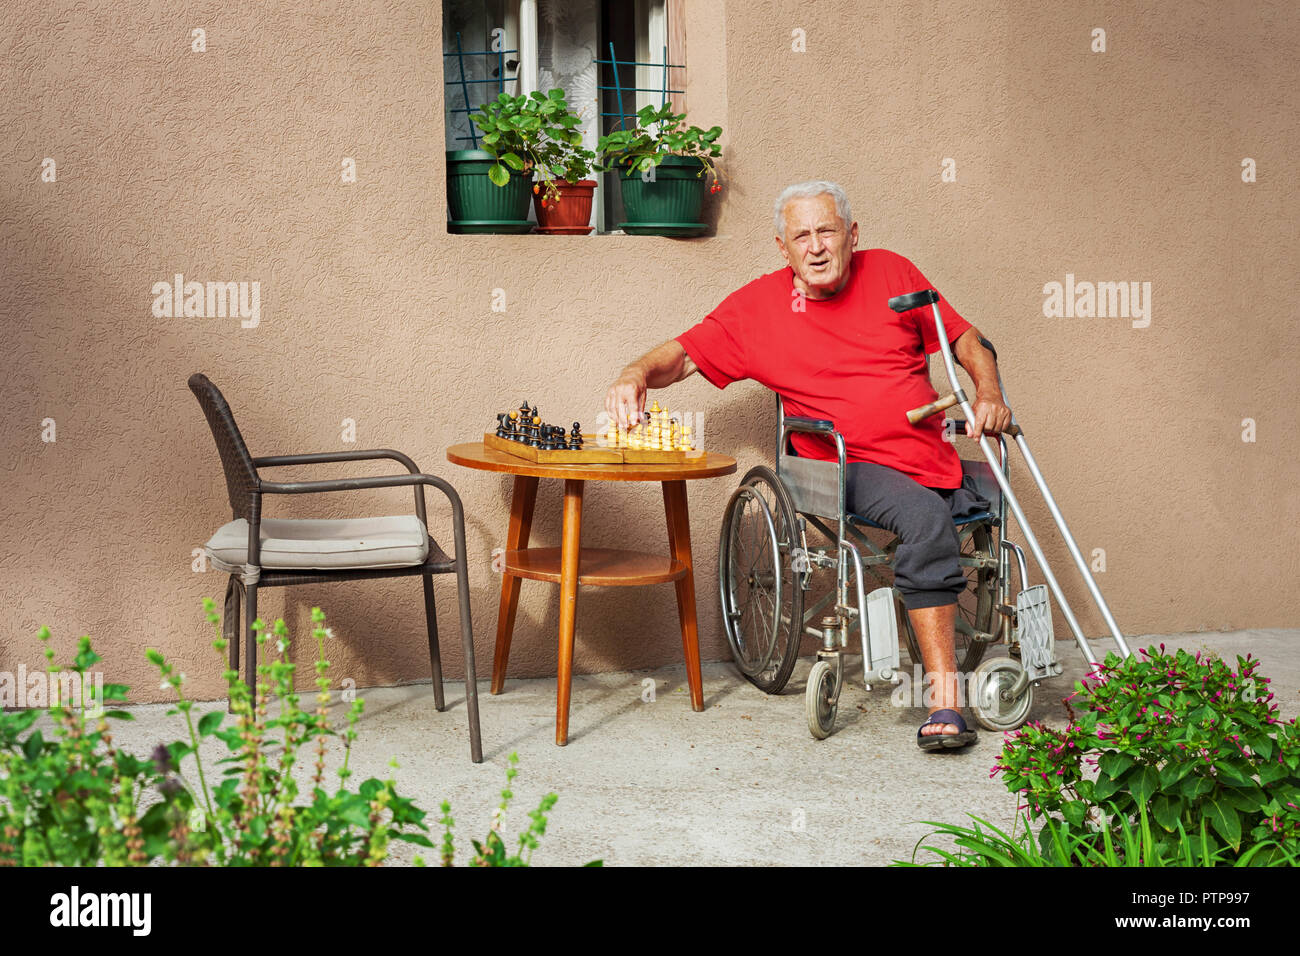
<point x="1122" y="166"/>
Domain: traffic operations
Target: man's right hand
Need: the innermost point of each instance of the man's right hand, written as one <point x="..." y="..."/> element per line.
<point x="658" y="368"/>
<point x="625" y="400"/>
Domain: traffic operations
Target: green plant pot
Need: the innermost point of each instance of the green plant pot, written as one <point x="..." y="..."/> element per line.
<point x="473" y="198"/>
<point x="671" y="203"/>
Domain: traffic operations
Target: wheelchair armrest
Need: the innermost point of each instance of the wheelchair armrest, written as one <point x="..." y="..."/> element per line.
<point x="822" y="426"/>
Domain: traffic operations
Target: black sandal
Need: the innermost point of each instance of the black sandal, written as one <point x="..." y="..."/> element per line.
<point x="963" y="738"/>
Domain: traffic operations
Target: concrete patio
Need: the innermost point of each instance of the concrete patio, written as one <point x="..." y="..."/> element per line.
<point x="742" y="784"/>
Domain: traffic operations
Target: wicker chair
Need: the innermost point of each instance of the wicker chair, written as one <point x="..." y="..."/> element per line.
<point x="260" y="553"/>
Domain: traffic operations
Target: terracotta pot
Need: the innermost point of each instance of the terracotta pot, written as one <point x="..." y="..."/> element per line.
<point x="570" y="213"/>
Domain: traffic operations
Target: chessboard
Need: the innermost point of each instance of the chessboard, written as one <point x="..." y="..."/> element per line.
<point x="660" y="438"/>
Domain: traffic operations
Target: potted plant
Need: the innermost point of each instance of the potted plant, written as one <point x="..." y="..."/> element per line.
<point x="564" y="195"/>
<point x="488" y="188"/>
<point x="481" y="198"/>
<point x="663" y="164"/>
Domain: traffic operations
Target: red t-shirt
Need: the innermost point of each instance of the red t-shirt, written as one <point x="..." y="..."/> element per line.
<point x="850" y="358"/>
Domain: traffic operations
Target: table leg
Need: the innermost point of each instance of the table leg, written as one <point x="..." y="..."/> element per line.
<point x="521" y="523"/>
<point x="679" y="540"/>
<point x="569" y="551"/>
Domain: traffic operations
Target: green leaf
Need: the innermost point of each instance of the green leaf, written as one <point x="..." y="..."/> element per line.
<point x="1113" y="763"/>
<point x="498" y="174"/>
<point x="33" y="745"/>
<point x="1167" y="811"/>
<point x="1272" y="772"/>
<point x="1193" y="787"/>
<point x="513" y="161"/>
<point x="1144" y="783"/>
<point x="25" y="718"/>
<point x="1173" y="771"/>
<point x="1263" y="746"/>
<point x="1105" y="787"/>
<point x="1248" y="801"/>
<point x="1074" y="812"/>
<point x="1223" y="817"/>
<point x="419" y="839"/>
<point x="208" y="723"/>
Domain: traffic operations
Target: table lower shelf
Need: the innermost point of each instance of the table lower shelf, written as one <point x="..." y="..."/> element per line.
<point x="600" y="567"/>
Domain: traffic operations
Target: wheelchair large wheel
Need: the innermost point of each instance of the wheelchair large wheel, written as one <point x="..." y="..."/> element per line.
<point x="975" y="612"/>
<point x="762" y="602"/>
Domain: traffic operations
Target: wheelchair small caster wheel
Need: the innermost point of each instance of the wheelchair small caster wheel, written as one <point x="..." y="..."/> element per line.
<point x="821" y="700"/>
<point x="991" y="698"/>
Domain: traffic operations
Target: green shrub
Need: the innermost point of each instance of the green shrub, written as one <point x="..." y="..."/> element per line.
<point x="79" y="800"/>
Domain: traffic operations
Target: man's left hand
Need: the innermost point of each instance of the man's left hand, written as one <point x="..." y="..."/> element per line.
<point x="991" y="416"/>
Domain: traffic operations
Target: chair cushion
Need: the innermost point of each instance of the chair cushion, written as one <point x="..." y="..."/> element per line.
<point x="395" y="541"/>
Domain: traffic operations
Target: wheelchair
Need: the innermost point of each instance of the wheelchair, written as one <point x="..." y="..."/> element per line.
<point x="769" y="573"/>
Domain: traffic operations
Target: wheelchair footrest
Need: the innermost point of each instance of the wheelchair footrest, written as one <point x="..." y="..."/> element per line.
<point x="1034" y="633"/>
<point x="880" y="638"/>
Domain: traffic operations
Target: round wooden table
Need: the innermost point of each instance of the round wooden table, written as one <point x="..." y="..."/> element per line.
<point x="570" y="564"/>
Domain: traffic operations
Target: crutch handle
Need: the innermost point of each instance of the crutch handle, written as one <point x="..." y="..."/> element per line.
<point x="948" y="401"/>
<point x="925" y="411"/>
<point x="913" y="300"/>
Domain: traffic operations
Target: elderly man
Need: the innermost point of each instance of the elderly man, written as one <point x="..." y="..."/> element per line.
<point x="820" y="334"/>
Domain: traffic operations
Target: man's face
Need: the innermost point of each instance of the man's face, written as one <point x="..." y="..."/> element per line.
<point x="817" y="245"/>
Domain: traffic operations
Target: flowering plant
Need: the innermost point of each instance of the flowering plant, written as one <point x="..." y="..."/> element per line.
<point x="1176" y="737"/>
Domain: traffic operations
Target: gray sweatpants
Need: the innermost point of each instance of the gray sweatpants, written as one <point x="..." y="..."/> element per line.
<point x="925" y="563"/>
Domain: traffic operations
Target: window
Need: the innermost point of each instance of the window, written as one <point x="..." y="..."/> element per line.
<point x="518" y="46"/>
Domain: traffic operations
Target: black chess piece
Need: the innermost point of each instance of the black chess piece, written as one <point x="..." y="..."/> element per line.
<point x="575" y="439"/>
<point x="501" y="424"/>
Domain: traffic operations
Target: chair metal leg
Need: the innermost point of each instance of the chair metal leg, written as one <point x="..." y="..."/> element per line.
<point x="471" y="678"/>
<point x="230" y="628"/>
<point x="250" y="642"/>
<point x="435" y="657"/>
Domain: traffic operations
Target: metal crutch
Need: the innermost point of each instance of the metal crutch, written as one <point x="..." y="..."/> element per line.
<point x="905" y="303"/>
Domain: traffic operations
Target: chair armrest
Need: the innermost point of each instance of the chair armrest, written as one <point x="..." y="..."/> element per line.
<point x="275" y="461"/>
<point x="383" y="481"/>
<point x="378" y="481"/>
<point x="356" y="484"/>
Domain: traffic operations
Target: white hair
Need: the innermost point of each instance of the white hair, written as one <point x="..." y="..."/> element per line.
<point x="815" y="187"/>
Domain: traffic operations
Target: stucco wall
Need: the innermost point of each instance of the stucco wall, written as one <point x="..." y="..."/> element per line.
<point x="225" y="165"/>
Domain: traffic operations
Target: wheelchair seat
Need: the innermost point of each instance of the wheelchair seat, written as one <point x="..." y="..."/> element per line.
<point x="976" y="475"/>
